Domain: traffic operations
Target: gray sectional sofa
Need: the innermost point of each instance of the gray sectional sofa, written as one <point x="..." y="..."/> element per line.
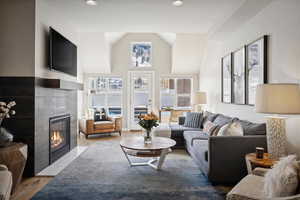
<point x="220" y="158"/>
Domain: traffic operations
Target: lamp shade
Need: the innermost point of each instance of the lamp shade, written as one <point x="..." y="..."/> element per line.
<point x="278" y="98"/>
<point x="200" y="98"/>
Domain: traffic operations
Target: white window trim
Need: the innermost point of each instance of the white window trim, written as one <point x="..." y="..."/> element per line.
<point x="191" y="77"/>
<point x="106" y="92"/>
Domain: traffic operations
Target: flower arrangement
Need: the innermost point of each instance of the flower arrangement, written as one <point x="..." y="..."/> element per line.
<point x="6" y="111"/>
<point x="147" y="122"/>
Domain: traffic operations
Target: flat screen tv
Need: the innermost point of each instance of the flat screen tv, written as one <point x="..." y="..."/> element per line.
<point x="63" y="54"/>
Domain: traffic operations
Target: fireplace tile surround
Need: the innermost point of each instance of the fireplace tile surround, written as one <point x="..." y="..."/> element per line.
<point x="36" y="104"/>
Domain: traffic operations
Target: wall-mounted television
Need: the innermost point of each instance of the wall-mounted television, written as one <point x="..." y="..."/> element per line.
<point x="63" y="54"/>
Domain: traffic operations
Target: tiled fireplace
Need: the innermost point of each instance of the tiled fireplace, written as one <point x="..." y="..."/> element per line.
<point x="46" y="118"/>
<point x="59" y="136"/>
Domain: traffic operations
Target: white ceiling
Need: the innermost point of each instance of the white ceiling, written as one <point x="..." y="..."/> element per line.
<point x="195" y="16"/>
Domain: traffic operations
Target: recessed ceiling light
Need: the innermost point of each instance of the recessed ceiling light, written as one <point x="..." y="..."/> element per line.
<point x="91" y="2"/>
<point x="178" y="3"/>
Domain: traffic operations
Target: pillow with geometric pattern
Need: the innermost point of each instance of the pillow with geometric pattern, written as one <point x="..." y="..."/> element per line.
<point x="209" y="127"/>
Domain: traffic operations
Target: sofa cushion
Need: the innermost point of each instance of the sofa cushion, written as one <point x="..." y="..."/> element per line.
<point x="190" y="136"/>
<point x="104" y="125"/>
<point x="177" y="130"/>
<point x="193" y="119"/>
<point x="253" y="128"/>
<point x="221" y="120"/>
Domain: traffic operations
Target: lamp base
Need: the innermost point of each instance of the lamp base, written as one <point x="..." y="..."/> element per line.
<point x="276" y="137"/>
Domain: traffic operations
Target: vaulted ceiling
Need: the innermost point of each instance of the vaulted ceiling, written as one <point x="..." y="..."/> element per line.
<point x="112" y="19"/>
<point x="197" y="16"/>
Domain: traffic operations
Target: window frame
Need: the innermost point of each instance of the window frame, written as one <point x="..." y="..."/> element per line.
<point x="176" y="95"/>
<point x="105" y="92"/>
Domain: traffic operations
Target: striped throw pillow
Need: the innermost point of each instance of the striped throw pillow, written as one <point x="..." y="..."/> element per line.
<point x="193" y="119"/>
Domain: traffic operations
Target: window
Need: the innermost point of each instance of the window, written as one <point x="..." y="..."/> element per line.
<point x="106" y="92"/>
<point x="175" y="92"/>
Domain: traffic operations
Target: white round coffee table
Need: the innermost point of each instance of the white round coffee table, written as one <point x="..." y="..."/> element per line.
<point x="157" y="150"/>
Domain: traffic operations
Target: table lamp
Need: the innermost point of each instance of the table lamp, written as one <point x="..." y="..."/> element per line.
<point x="277" y="99"/>
<point x="199" y="99"/>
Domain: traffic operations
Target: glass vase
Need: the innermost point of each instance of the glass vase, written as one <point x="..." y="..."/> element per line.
<point x="147" y="137"/>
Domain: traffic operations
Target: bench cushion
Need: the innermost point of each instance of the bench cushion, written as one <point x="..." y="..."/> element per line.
<point x="104" y="125"/>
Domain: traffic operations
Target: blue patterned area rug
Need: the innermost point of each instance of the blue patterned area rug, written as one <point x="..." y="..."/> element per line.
<point x="102" y="173"/>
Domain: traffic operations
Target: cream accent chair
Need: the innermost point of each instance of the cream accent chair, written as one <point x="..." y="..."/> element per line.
<point x="5" y="183"/>
<point x="251" y="188"/>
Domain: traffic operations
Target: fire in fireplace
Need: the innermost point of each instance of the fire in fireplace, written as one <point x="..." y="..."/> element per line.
<point x="59" y="137"/>
<point x="56" y="139"/>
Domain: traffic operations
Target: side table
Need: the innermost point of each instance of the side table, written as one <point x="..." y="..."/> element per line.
<point x="14" y="157"/>
<point x="252" y="162"/>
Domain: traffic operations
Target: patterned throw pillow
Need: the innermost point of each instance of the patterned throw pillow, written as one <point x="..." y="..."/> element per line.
<point x="282" y="179"/>
<point x="193" y="119"/>
<point x="231" y="129"/>
<point x="209" y="127"/>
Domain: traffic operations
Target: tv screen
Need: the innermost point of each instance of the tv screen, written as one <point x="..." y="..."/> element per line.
<point x="63" y="54"/>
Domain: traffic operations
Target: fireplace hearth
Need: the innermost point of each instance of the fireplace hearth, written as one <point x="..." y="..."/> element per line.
<point x="59" y="137"/>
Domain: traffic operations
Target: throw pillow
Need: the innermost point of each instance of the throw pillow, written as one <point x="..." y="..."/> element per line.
<point x="282" y="179"/>
<point x="193" y="119"/>
<point x="208" y="116"/>
<point x="231" y="129"/>
<point x="100" y="115"/>
<point x="209" y="127"/>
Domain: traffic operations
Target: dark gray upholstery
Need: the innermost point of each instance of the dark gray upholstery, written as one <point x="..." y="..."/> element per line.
<point x="221" y="120"/>
<point x="253" y="128"/>
<point x="177" y="134"/>
<point x="222" y="158"/>
<point x="181" y="120"/>
<point x="193" y="119"/>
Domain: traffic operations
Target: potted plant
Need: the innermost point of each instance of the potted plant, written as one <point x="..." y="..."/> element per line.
<point x="147" y="122"/>
<point x="5" y="112"/>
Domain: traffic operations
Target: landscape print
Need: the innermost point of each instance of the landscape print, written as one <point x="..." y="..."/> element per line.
<point x="141" y="54"/>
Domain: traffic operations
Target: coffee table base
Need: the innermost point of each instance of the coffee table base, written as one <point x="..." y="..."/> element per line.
<point x="160" y="160"/>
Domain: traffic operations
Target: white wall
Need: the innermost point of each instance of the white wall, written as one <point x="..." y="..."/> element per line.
<point x="279" y="20"/>
<point x="46" y="16"/>
<point x="187" y="53"/>
<point x="17" y="22"/>
<point x="95" y="53"/>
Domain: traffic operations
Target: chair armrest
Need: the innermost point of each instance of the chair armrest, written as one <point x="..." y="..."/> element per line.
<point x="181" y="120"/>
<point x="86" y="125"/>
<point x="3" y="168"/>
<point x="226" y="155"/>
<point x="259" y="171"/>
<point x="118" y="124"/>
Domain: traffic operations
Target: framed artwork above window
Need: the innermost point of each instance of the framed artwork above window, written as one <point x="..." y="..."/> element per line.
<point x="141" y="54"/>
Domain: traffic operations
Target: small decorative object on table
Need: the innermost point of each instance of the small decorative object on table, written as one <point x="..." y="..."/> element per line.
<point x="5" y="112"/>
<point x="252" y="162"/>
<point x="260" y="152"/>
<point x="147" y="122"/>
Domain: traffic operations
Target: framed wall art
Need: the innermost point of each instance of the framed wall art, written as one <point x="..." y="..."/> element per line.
<point x="238" y="77"/>
<point x="256" y="67"/>
<point x="141" y="54"/>
<point x="226" y="78"/>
